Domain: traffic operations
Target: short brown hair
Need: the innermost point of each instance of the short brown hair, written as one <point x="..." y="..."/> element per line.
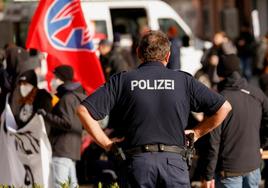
<point x="154" y="46"/>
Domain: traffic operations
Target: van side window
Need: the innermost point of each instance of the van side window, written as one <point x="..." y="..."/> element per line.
<point x="127" y="23"/>
<point x="165" y="23"/>
<point x="100" y="29"/>
<point x="128" y="20"/>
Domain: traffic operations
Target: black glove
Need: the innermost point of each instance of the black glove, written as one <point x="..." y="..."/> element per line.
<point x="41" y="112"/>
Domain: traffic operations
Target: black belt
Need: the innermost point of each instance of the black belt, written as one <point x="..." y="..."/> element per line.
<point x="156" y="148"/>
<point x="225" y="174"/>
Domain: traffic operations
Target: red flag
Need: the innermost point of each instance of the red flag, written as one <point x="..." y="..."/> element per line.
<point x="58" y="28"/>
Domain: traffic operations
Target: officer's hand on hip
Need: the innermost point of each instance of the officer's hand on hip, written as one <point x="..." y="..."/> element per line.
<point x="114" y="141"/>
<point x="209" y="184"/>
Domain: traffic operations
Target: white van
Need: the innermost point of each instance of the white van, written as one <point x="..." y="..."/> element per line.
<point x="126" y="17"/>
<point x="107" y="17"/>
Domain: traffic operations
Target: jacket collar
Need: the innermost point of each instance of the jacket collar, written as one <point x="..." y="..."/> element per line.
<point x="234" y="81"/>
<point x="67" y="87"/>
<point x="152" y="63"/>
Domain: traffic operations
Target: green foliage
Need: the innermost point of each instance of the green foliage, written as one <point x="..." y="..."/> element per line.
<point x="112" y="185"/>
<point x="67" y="184"/>
<point x="6" y="186"/>
<point x="63" y="185"/>
<point x="37" y="186"/>
<point x="13" y="186"/>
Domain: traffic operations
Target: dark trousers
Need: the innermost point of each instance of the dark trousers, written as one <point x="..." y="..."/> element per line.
<point x="158" y="169"/>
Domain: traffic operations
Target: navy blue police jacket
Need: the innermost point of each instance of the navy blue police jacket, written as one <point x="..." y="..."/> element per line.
<point x="151" y="104"/>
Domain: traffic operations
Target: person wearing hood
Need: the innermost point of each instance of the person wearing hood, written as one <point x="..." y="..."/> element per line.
<point x="66" y="128"/>
<point x="15" y="64"/>
<point x="234" y="157"/>
<point x="26" y="99"/>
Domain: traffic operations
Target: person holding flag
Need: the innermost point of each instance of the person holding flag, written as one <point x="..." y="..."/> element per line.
<point x="58" y="28"/>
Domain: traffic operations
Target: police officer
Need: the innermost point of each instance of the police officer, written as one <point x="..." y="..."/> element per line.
<point x="150" y="106"/>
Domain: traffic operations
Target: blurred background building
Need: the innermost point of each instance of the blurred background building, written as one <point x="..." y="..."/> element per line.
<point x="206" y="17"/>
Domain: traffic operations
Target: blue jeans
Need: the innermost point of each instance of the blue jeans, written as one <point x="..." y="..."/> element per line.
<point x="250" y="180"/>
<point x="64" y="172"/>
<point x="246" y="65"/>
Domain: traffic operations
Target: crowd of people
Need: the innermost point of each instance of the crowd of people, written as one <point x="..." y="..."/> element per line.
<point x="147" y="100"/>
<point x="235" y="68"/>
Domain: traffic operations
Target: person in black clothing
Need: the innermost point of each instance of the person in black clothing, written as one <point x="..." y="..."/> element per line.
<point x="148" y="109"/>
<point x="234" y="148"/>
<point x="263" y="81"/>
<point x="111" y="59"/>
<point x="222" y="45"/>
<point x="66" y="128"/>
<point x="16" y="63"/>
<point x="26" y="99"/>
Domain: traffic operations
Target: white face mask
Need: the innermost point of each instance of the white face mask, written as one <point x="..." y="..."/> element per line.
<point x="55" y="83"/>
<point x="25" y="89"/>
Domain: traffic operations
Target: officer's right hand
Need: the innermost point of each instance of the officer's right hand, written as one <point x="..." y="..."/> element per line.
<point x="209" y="184"/>
<point x="113" y="146"/>
<point x="113" y="140"/>
<point x="108" y="147"/>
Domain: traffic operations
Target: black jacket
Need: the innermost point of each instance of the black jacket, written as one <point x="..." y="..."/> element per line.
<point x="235" y="145"/>
<point x="115" y="61"/>
<point x="42" y="100"/>
<point x="66" y="128"/>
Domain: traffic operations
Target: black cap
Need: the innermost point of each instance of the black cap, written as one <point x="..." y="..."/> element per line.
<point x="64" y="72"/>
<point x="29" y="76"/>
<point x="228" y="64"/>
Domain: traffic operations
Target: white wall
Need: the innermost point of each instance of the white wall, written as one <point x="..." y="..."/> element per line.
<point x="262" y="6"/>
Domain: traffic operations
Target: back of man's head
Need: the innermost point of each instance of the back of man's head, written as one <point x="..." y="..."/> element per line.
<point x="227" y="65"/>
<point x="154" y="46"/>
<point x="64" y="73"/>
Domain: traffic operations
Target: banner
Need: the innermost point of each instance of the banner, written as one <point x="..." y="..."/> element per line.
<point x="59" y="29"/>
<point x="26" y="157"/>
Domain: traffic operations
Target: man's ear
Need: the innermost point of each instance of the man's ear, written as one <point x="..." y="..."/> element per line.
<point x="167" y="57"/>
